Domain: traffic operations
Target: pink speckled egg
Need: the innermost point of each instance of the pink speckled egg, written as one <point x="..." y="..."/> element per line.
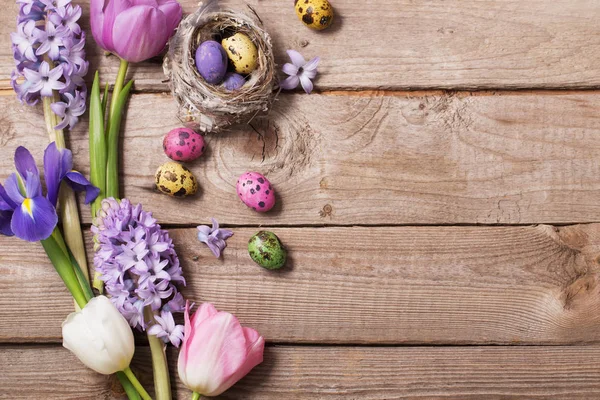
<point x="183" y="144"/>
<point x="255" y="191"/>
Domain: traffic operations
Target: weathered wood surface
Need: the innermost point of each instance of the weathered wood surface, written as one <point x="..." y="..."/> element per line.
<point x="392" y="44"/>
<point x="308" y="372"/>
<point x="368" y="159"/>
<point x="442" y="285"/>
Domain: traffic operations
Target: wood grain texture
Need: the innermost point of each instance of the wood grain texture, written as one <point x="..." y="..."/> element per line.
<point x="403" y="285"/>
<point x="309" y="372"/>
<point x="370" y="159"/>
<point x="394" y="44"/>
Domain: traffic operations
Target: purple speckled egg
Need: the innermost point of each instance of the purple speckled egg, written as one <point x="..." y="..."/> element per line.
<point x="183" y="144"/>
<point x="211" y="61"/>
<point x="255" y="191"/>
<point x="233" y="81"/>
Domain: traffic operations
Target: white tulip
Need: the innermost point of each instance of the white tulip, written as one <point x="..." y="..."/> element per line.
<point x="99" y="336"/>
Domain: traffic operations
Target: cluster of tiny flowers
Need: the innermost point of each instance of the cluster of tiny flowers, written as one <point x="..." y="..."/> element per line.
<point x="139" y="266"/>
<point x="49" y="54"/>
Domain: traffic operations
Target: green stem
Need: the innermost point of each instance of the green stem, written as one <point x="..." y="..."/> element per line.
<point x="113" y="128"/>
<point x="67" y="202"/>
<point x="160" y="368"/>
<point x="63" y="266"/>
<point x="196" y="396"/>
<point x="136" y="384"/>
<point x="132" y="394"/>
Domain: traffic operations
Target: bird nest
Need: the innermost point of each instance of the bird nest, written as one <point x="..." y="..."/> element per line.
<point x="211" y="108"/>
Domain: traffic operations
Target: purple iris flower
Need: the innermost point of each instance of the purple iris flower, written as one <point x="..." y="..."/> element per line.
<point x="24" y="211"/>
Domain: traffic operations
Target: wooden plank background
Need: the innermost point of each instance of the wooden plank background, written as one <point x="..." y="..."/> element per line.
<point x="443" y="244"/>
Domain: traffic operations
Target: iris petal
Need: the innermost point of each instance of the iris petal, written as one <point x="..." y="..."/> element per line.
<point x="12" y="189"/>
<point x="34" y="220"/>
<point x="33" y="186"/>
<point x="5" y="218"/>
<point x="52" y="172"/>
<point x="78" y="182"/>
<point x="6" y="199"/>
<point x="24" y="162"/>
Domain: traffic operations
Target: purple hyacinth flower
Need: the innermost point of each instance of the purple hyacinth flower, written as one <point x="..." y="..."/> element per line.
<point x="46" y="80"/>
<point x="166" y="329"/>
<point x="67" y="16"/>
<point x="25" y="38"/>
<point x="214" y="237"/>
<point x="58" y="167"/>
<point x="54" y="4"/>
<point x="51" y="39"/>
<point x="73" y="51"/>
<point x="69" y="111"/>
<point x="26" y="5"/>
<point x="300" y="72"/>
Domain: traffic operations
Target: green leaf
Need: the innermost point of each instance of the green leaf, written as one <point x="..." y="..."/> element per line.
<point x="105" y="100"/>
<point x="112" y="166"/>
<point x="97" y="145"/>
<point x="83" y="282"/>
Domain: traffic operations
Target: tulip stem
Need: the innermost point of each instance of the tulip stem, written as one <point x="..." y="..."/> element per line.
<point x="136" y="384"/>
<point x="112" y="130"/>
<point x="196" y="396"/>
<point x="160" y="368"/>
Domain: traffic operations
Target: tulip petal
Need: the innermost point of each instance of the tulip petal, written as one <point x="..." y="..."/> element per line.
<point x="142" y="33"/>
<point x="24" y="162"/>
<point x="52" y="172"/>
<point x="102" y="19"/>
<point x="215" y="353"/>
<point x="79" y="184"/>
<point x="34" y="219"/>
<point x="256" y="347"/>
<point x="173" y="13"/>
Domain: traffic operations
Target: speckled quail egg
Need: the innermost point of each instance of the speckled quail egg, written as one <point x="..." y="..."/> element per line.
<point x="316" y="14"/>
<point x="266" y="250"/>
<point x="175" y="180"/>
<point x="242" y="53"/>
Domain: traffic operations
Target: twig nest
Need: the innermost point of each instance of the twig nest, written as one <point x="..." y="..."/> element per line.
<point x="213" y="107"/>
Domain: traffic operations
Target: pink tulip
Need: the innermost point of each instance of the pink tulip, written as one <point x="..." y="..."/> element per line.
<point x="135" y="30"/>
<point x="217" y="351"/>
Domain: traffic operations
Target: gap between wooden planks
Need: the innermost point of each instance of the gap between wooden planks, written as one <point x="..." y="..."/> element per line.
<point x="402" y="285"/>
<point x="405" y="44"/>
<point x="368" y="160"/>
<point x="308" y="372"/>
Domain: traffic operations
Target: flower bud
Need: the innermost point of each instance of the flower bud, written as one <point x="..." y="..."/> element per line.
<point x="99" y="336"/>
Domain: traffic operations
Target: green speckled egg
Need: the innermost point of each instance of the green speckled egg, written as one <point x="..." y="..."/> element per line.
<point x="266" y="250"/>
<point x="175" y="180"/>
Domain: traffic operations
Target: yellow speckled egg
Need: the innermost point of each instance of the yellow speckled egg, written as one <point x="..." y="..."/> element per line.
<point x="175" y="180"/>
<point x="316" y="14"/>
<point x="242" y="53"/>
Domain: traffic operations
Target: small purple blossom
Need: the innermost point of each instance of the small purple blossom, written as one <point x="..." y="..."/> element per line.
<point x="45" y="80"/>
<point x="51" y="39"/>
<point x="139" y="266"/>
<point x="50" y="28"/>
<point x="300" y="72"/>
<point x="214" y="237"/>
<point x="166" y="329"/>
<point x="69" y="111"/>
<point x="24" y="39"/>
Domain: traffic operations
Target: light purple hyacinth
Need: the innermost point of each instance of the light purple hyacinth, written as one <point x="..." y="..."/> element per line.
<point x="214" y="237"/>
<point x="49" y="30"/>
<point x="300" y="72"/>
<point x="139" y="266"/>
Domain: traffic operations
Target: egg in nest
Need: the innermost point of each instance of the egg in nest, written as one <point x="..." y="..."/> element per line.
<point x="242" y="53"/>
<point x="175" y="180"/>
